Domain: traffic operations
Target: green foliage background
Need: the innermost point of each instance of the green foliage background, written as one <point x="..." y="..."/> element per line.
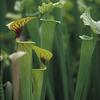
<point x="61" y="39"/>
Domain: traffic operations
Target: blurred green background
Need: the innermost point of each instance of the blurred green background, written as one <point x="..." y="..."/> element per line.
<point x="62" y="39"/>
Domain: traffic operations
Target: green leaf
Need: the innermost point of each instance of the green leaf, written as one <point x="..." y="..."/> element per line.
<point x="47" y="32"/>
<point x="15" y="72"/>
<point x="94" y="25"/>
<point x="25" y="70"/>
<point x="1" y="85"/>
<point x="29" y="45"/>
<point x="85" y="68"/>
<point x="39" y="83"/>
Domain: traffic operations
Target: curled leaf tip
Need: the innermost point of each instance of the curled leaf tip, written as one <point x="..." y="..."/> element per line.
<point x="42" y="53"/>
<point x="94" y="25"/>
<point x="16" y="26"/>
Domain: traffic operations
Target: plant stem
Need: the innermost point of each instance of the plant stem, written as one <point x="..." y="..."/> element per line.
<point x="25" y="64"/>
<point x="1" y="84"/>
<point x="39" y="83"/>
<point x="84" y="69"/>
<point x="96" y="72"/>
